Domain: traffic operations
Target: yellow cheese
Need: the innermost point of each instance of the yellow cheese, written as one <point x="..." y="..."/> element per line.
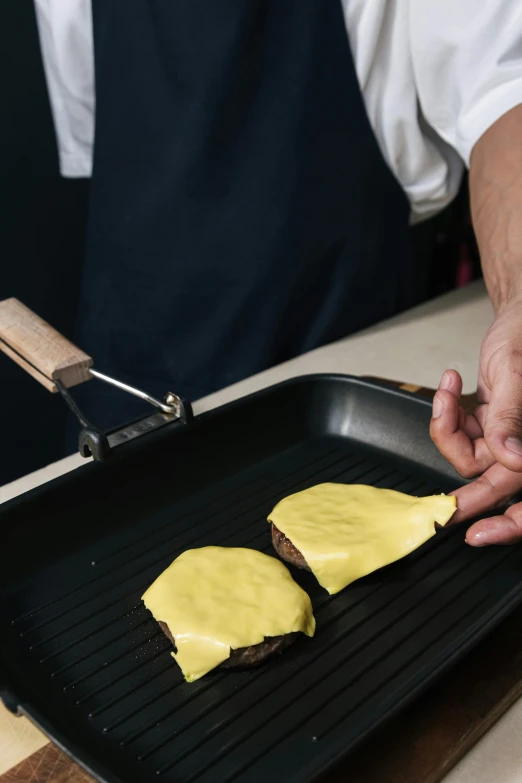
<point x="345" y="531"/>
<point x="215" y="599"/>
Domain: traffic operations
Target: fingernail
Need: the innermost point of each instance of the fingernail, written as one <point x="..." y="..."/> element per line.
<point x="438" y="407"/>
<point x="445" y="381"/>
<point x="478" y="539"/>
<point x="514" y="444"/>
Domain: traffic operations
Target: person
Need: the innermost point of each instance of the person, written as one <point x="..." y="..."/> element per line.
<point x="255" y="168"/>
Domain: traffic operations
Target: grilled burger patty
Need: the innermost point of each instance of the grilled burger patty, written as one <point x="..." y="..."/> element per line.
<point x="248" y="657"/>
<point x="285" y="549"/>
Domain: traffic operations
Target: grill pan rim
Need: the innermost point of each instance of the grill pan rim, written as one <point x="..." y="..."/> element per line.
<point x="422" y="403"/>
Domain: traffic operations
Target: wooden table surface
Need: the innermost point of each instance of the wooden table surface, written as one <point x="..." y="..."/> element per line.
<point x="420" y="746"/>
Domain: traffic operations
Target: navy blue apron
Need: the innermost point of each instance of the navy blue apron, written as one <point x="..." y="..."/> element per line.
<point x="241" y="211"/>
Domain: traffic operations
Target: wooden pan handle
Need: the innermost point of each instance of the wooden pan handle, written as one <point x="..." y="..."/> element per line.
<point x="39" y="349"/>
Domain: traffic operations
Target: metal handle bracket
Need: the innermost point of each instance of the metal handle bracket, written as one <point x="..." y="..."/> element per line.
<point x="93" y="442"/>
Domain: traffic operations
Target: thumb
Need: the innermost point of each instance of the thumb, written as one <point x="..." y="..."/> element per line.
<point x="503" y="426"/>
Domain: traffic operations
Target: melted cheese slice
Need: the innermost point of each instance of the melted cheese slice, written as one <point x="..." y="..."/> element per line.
<point x="215" y="599"/>
<point x="345" y="531"/>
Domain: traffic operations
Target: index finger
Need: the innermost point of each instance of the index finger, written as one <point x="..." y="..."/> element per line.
<point x="493" y="489"/>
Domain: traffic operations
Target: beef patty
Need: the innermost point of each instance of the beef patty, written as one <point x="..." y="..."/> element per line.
<point x="248" y="657"/>
<point x="285" y="549"/>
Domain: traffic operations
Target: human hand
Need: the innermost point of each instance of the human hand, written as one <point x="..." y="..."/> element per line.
<point x="488" y="443"/>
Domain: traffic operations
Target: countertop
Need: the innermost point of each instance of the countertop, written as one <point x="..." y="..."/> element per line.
<point x="415" y="347"/>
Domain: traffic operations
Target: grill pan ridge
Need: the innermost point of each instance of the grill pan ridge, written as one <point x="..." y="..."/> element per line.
<point x="83" y="658"/>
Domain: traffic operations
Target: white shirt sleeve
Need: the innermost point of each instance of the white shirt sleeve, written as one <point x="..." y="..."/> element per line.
<point x="428" y="168"/>
<point x="435" y="75"/>
<point x="467" y="60"/>
<point x="65" y="31"/>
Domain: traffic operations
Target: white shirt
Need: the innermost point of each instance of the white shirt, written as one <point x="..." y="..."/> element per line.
<point x="434" y="74"/>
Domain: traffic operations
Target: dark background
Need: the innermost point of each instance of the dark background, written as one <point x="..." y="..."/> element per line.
<point x="41" y="241"/>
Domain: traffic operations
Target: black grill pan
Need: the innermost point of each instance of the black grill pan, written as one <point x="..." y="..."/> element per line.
<point x="82" y="657"/>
